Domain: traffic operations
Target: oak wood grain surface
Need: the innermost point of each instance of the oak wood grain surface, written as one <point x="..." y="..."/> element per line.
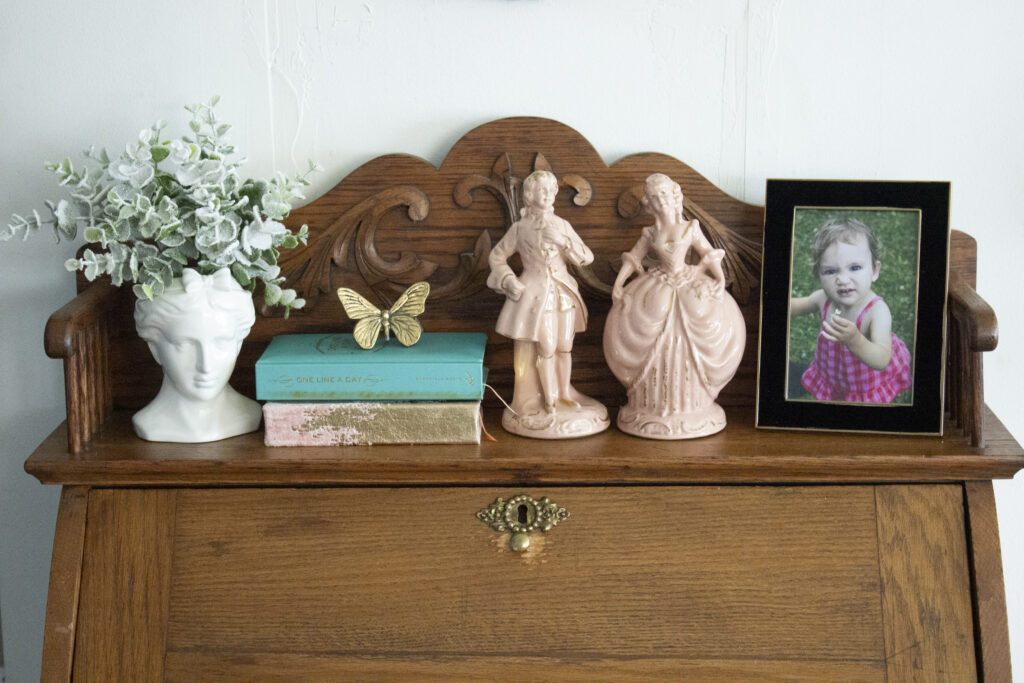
<point x="704" y="573"/>
<point x="982" y="332"/>
<point x="125" y="579"/>
<point x="922" y="553"/>
<point x="740" y="453"/>
<point x="992" y="636"/>
<point x="61" y="623"/>
<point x="754" y="582"/>
<point x="187" y="667"/>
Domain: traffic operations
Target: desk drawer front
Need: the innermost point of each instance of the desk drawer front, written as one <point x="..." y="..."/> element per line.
<point x="695" y="581"/>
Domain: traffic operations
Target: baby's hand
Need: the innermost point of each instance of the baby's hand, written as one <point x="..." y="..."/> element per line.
<point x="839" y="329"/>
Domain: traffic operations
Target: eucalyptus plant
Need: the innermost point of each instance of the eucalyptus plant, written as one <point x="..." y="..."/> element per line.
<point x="166" y="204"/>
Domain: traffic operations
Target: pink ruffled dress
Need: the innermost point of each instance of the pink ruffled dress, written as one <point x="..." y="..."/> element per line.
<point x="837" y="374"/>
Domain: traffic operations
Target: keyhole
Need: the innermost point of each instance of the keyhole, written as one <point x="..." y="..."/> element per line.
<point x="524" y="516"/>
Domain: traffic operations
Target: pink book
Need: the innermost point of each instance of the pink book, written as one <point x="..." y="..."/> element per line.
<point x="356" y="423"/>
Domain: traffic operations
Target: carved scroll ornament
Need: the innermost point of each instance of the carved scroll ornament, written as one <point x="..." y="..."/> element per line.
<point x="352" y="235"/>
<point x="350" y="241"/>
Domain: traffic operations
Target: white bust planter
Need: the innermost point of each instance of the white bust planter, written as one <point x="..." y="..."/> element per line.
<point x="195" y="330"/>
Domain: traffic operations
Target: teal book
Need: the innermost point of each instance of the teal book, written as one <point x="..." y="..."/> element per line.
<point x="442" y="366"/>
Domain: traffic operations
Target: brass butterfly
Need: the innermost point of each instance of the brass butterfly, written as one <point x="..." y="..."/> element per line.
<point x="401" y="317"/>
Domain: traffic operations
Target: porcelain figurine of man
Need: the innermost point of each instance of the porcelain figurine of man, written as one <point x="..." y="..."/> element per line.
<point x="543" y="311"/>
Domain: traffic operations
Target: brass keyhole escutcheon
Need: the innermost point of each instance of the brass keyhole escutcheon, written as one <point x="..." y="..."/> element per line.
<point x="521" y="515"/>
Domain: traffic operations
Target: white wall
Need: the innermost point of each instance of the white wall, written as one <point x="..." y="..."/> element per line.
<point x="887" y="89"/>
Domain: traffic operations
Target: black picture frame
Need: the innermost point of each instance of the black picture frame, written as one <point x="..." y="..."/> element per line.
<point x="783" y="402"/>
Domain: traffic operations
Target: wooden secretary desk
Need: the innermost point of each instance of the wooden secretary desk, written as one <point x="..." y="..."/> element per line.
<point x="746" y="555"/>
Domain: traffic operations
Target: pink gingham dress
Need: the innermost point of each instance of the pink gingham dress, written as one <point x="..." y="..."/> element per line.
<point x="838" y="375"/>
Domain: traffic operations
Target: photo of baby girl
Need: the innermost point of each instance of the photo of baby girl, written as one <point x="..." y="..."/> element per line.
<point x="853" y="305"/>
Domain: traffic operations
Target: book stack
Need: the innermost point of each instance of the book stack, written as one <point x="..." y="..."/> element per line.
<point x="324" y="390"/>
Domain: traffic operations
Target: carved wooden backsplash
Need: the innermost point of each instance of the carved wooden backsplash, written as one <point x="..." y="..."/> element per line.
<point x="397" y="220"/>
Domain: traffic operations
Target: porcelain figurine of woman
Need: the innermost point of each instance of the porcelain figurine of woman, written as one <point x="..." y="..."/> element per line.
<point x="543" y="311"/>
<point x="195" y="331"/>
<point x="674" y="337"/>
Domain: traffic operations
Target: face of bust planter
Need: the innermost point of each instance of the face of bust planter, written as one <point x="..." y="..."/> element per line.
<point x="198" y="354"/>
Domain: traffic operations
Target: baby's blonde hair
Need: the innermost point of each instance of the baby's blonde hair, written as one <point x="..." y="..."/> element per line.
<point x="846" y="230"/>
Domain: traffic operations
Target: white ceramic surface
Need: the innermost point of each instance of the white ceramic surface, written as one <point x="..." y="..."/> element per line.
<point x="674" y="337"/>
<point x="195" y="330"/>
<point x="543" y="311"/>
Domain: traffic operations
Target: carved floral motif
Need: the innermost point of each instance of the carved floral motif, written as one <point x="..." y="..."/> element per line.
<point x="508" y="187"/>
<point x="350" y="241"/>
<point x="352" y="235"/>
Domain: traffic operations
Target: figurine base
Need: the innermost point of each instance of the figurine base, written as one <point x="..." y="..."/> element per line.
<point x="650" y="425"/>
<point x="566" y="422"/>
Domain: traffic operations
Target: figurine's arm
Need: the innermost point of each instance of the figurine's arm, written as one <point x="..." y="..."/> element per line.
<point x="632" y="262"/>
<point x="710" y="257"/>
<point x="502" y="278"/>
<point x="700" y="241"/>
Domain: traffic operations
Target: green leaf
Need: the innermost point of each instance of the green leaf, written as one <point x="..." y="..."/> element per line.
<point x="177" y="256"/>
<point x="166" y="182"/>
<point x="95" y="234"/>
<point x="117" y="274"/>
<point x="159" y="154"/>
<point x="167" y="230"/>
<point x="272" y="294"/>
<point x="122" y="230"/>
<point x="73" y="264"/>
<point x="238" y="271"/>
